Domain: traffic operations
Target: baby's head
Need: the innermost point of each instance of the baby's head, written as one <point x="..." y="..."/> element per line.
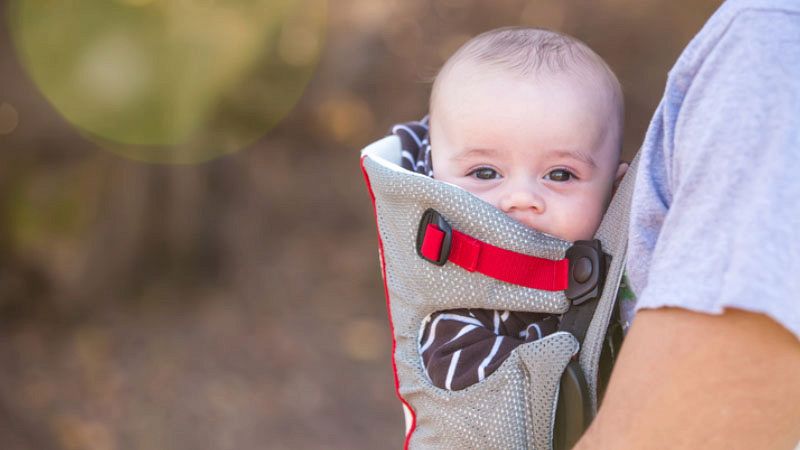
<point x="530" y="121"/>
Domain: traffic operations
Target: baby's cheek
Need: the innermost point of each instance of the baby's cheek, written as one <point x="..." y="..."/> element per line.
<point x="482" y="192"/>
<point x="585" y="217"/>
<point x="489" y="196"/>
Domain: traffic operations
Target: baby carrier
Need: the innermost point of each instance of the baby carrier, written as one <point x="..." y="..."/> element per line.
<point x="442" y="248"/>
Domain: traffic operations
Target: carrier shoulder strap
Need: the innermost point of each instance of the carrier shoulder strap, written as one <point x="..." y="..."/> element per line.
<point x="588" y="320"/>
<point x="613" y="235"/>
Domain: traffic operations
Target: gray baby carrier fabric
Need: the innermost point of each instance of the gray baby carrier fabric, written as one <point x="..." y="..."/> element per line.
<point x="514" y="407"/>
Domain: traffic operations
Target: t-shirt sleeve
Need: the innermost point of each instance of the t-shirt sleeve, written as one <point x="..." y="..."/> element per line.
<point x="731" y="236"/>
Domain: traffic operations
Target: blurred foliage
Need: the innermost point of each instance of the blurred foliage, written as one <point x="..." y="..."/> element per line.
<point x="234" y="304"/>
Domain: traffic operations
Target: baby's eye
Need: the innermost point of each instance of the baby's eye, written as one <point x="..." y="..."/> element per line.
<point x="484" y="173"/>
<point x="560" y="175"/>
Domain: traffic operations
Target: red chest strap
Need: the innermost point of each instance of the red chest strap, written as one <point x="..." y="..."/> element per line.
<point x="581" y="274"/>
<point x="438" y="243"/>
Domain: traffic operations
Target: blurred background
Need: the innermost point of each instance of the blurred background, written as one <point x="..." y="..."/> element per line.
<point x="188" y="257"/>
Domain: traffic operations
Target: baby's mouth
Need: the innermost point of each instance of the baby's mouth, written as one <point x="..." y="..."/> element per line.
<point x="528" y="220"/>
<point x="533" y="221"/>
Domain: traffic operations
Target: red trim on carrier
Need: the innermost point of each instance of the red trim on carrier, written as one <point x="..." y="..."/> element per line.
<point x="389" y="312"/>
<point x="495" y="262"/>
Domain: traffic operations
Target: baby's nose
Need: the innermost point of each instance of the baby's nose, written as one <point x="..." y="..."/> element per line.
<point x="522" y="200"/>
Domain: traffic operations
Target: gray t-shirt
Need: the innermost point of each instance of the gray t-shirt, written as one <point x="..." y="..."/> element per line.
<point x="715" y="221"/>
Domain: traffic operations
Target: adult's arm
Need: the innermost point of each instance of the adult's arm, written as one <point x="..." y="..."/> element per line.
<point x="687" y="380"/>
<point x="696" y="370"/>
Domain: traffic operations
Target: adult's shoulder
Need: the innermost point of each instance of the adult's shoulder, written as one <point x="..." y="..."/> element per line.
<point x="738" y="20"/>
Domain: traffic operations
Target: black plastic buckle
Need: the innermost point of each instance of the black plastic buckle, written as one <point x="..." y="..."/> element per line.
<point x="432" y="216"/>
<point x="587" y="271"/>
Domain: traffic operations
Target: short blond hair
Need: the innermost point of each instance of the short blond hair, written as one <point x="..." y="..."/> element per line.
<point x="526" y="51"/>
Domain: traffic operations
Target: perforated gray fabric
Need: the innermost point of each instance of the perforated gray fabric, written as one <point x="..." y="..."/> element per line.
<point x="513" y="408"/>
<point x="510" y="409"/>
<point x="613" y="234"/>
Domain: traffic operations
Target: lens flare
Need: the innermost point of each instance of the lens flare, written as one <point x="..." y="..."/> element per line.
<point x="170" y="81"/>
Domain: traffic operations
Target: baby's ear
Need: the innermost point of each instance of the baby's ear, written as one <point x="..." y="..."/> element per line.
<point x="622" y="169"/>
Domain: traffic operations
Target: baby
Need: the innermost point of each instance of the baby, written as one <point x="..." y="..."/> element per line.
<point x="529" y="121"/>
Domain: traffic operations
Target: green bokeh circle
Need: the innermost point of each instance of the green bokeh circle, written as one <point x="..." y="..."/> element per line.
<point x="170" y="81"/>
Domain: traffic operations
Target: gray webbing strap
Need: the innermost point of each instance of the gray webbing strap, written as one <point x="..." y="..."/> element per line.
<point x="588" y="319"/>
<point x="613" y="234"/>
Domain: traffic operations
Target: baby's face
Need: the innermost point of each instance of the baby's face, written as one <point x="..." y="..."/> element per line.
<point x="545" y="152"/>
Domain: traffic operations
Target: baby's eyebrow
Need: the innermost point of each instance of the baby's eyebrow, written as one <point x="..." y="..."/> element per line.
<point x="577" y="155"/>
<point x="473" y="152"/>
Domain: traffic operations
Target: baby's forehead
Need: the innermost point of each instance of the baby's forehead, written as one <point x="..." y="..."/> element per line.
<point x="471" y="86"/>
<point x="579" y="72"/>
<point x="469" y="80"/>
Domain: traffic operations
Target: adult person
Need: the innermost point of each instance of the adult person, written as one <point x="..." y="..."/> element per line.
<point x="712" y="359"/>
